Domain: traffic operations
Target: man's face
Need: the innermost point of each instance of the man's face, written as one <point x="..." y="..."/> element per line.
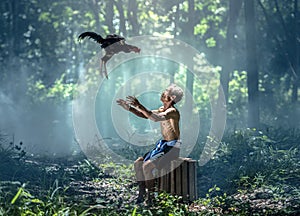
<point x="165" y="96"/>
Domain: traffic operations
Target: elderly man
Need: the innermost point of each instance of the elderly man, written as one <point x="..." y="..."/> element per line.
<point x="167" y="148"/>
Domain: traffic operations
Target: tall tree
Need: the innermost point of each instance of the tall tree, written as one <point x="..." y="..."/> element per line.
<point x="284" y="17"/>
<point x="132" y="16"/>
<point x="94" y="6"/>
<point x="251" y="65"/>
<point x="234" y="9"/>
<point x="190" y="35"/>
<point x="291" y="37"/>
<point x="296" y="44"/>
<point x="119" y="5"/>
<point x="109" y="16"/>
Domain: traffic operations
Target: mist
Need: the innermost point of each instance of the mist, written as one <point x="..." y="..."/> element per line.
<point x="44" y="128"/>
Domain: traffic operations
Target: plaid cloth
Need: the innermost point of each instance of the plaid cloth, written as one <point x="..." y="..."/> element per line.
<point x="161" y="148"/>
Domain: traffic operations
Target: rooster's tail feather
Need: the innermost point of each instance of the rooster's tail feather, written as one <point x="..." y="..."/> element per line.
<point x="98" y="38"/>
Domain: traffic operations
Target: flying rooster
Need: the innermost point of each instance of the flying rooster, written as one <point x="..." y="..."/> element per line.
<point x="119" y="46"/>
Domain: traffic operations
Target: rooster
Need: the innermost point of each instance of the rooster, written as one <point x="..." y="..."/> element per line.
<point x="119" y="46"/>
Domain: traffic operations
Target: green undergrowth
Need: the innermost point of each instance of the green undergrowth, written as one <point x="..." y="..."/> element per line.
<point x="252" y="173"/>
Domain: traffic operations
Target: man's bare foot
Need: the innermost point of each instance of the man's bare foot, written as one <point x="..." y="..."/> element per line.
<point x="140" y="199"/>
<point x="150" y="198"/>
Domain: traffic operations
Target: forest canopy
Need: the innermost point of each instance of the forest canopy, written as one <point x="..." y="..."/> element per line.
<point x="256" y="45"/>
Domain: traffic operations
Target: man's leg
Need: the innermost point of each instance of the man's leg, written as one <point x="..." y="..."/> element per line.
<point x="148" y="167"/>
<point x="138" y="168"/>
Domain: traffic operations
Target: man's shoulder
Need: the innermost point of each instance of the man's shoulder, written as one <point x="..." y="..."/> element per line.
<point x="167" y="111"/>
<point x="161" y="109"/>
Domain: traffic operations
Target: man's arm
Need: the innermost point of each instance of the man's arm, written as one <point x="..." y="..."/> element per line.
<point x="136" y="112"/>
<point x="127" y="106"/>
<point x="154" y="115"/>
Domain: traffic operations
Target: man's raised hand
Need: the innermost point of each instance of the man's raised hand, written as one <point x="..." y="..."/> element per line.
<point x="133" y="101"/>
<point x="123" y="104"/>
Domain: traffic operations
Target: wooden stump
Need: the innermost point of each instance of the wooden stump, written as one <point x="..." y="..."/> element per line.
<point x="180" y="179"/>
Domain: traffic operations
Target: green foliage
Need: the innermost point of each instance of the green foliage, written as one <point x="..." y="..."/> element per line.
<point x="24" y="203"/>
<point x="210" y="42"/>
<point x="170" y="205"/>
<point x="59" y="91"/>
<point x="212" y="198"/>
<point x="163" y="204"/>
<point x="252" y="168"/>
<point x="258" y="156"/>
<point x="237" y="101"/>
<point x="211" y="22"/>
<point x="249" y="173"/>
<point x="86" y="168"/>
<point x="42" y="37"/>
<point x="212" y="204"/>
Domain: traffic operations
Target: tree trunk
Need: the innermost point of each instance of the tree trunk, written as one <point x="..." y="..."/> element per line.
<point x="293" y="52"/>
<point x="190" y="35"/>
<point x="94" y="8"/>
<point x="176" y="20"/>
<point x="291" y="55"/>
<point x="109" y="16"/>
<point x="14" y="34"/>
<point x="234" y="9"/>
<point x="120" y="8"/>
<point x="252" y="66"/>
<point x="191" y="20"/>
<point x="189" y="75"/>
<point x="132" y="16"/>
<point x="296" y="46"/>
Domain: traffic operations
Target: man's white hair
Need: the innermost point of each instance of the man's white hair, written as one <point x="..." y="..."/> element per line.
<point x="176" y="91"/>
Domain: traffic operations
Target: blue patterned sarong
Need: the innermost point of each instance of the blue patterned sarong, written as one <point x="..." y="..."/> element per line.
<point x="161" y="148"/>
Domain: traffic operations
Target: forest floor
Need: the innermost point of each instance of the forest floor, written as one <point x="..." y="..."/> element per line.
<point x="64" y="186"/>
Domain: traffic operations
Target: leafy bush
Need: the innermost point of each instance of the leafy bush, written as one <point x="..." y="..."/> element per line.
<point x="251" y="173"/>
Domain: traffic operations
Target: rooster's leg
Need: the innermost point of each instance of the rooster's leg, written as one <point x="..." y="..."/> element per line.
<point x="104" y="59"/>
<point x="105" y="70"/>
<point x="101" y="67"/>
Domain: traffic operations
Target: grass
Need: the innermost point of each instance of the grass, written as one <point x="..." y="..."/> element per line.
<point x="251" y="173"/>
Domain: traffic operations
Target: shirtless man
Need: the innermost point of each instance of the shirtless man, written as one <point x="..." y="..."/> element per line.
<point x="167" y="148"/>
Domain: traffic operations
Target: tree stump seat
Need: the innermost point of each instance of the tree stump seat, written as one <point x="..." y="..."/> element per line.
<point x="179" y="179"/>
